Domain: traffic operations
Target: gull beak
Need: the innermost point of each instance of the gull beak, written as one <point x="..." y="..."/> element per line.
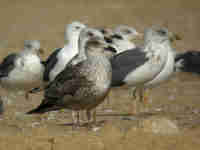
<point x="110" y="48"/>
<point x="140" y="36"/>
<point x="41" y="51"/>
<point x="108" y="40"/>
<point x="173" y="37"/>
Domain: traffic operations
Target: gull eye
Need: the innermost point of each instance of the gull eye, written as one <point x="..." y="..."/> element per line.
<point x="77" y="27"/>
<point x="127" y="31"/>
<point x="29" y="46"/>
<point x="90" y="34"/>
<point x="162" y="32"/>
<point x="108" y="40"/>
<point x="103" y="31"/>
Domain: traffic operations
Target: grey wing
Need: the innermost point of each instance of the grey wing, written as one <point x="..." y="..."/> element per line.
<point x="124" y="63"/>
<point x="7" y="65"/>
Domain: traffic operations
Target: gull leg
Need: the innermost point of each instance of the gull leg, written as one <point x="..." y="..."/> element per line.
<point x="94" y="117"/>
<point x="135" y="101"/>
<point x="82" y="119"/>
<point x="75" y="119"/>
<point x="108" y="99"/>
<point x="146" y="95"/>
<point x="88" y="113"/>
<point x="27" y="95"/>
<point x="91" y="118"/>
<point x="146" y="99"/>
<point x="106" y="103"/>
<point x="141" y="96"/>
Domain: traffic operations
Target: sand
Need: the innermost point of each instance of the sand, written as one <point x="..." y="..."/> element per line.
<point x="173" y="117"/>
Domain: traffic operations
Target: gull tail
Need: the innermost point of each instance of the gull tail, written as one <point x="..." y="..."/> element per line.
<point x="2" y="74"/>
<point x="188" y="62"/>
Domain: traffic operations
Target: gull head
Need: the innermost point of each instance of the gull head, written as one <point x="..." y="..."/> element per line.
<point x="96" y="43"/>
<point x="160" y="35"/>
<point x="106" y="31"/>
<point x="73" y="29"/>
<point x="127" y="33"/>
<point x="33" y="46"/>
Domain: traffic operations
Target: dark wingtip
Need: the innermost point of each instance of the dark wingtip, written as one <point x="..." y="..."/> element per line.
<point x="112" y="49"/>
<point x="117" y="36"/>
<point x="34" y="111"/>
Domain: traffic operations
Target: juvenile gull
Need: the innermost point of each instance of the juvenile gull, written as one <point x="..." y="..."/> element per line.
<point x="23" y="70"/>
<point x="145" y="65"/>
<point x="85" y="81"/>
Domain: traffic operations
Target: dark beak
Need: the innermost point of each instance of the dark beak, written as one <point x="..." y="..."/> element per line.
<point x="175" y="37"/>
<point x="112" y="49"/>
<point x="41" y="51"/>
<point x="117" y="36"/>
<point x="108" y="40"/>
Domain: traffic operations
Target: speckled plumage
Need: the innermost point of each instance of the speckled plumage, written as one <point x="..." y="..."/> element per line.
<point x="83" y="84"/>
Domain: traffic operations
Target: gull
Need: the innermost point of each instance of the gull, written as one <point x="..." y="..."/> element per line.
<point x="60" y="57"/>
<point x="23" y="70"/>
<point x="145" y="66"/>
<point x="85" y="81"/>
<point x="121" y="38"/>
<point x="56" y="62"/>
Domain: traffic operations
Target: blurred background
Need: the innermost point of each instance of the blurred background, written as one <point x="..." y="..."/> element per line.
<point x="45" y="20"/>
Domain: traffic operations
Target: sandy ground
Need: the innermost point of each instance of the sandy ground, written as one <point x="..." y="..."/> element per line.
<point x="176" y="101"/>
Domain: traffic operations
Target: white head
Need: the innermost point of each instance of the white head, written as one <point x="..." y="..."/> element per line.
<point x="159" y="34"/>
<point x="96" y="44"/>
<point x="106" y="31"/>
<point x="73" y="30"/>
<point x="126" y="32"/>
<point x="33" y="46"/>
<point x="90" y="42"/>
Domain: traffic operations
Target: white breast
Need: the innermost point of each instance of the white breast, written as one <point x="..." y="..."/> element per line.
<point x="64" y="57"/>
<point x="27" y="74"/>
<point x="123" y="45"/>
<point x="166" y="72"/>
<point x="157" y="55"/>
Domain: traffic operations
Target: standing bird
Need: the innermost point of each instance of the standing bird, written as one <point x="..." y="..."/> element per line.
<point x="147" y="65"/>
<point x="23" y="70"/>
<point x="85" y="81"/>
<point x="60" y="57"/>
<point x="57" y="61"/>
<point x="121" y="38"/>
